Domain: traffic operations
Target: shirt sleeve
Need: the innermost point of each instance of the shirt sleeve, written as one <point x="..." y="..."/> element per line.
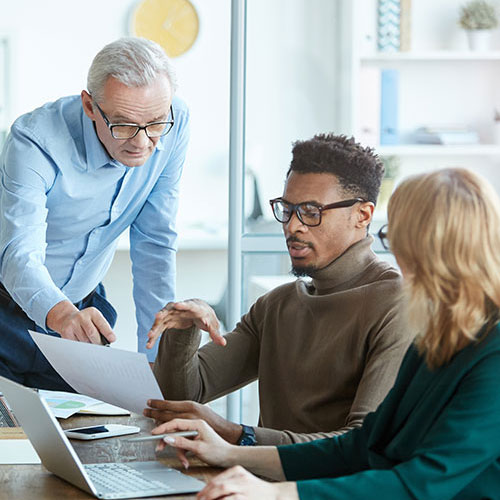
<point x="387" y="343"/>
<point x="459" y="446"/>
<point x="153" y="243"/>
<point x="185" y="372"/>
<point x="27" y="174"/>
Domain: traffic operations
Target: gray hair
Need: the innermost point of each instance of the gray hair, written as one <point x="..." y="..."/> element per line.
<point x="133" y="61"/>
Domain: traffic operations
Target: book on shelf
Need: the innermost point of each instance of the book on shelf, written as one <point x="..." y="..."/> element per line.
<point x="378" y="106"/>
<point x="390" y="29"/>
<point x="449" y="136"/>
<point x="388" y="25"/>
<point x="369" y="106"/>
<point x="405" y="26"/>
<point x="389" y="107"/>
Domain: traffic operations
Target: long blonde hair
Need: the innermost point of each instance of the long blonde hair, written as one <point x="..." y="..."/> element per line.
<point x="444" y="229"/>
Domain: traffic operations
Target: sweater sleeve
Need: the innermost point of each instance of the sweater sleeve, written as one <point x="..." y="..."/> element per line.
<point x="186" y="372"/>
<point x="459" y="446"/>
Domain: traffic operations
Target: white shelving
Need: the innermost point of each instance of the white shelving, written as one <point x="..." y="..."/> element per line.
<point x="488" y="150"/>
<point x="440" y="85"/>
<point x="425" y="56"/>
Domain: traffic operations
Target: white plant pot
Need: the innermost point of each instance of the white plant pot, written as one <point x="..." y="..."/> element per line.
<point x="479" y="40"/>
<point x="496" y="132"/>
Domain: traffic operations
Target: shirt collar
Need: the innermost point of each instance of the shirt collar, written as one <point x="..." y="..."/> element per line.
<point x="97" y="156"/>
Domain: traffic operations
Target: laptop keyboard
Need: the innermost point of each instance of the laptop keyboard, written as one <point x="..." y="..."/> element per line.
<point x="5" y="417"/>
<point x="112" y="478"/>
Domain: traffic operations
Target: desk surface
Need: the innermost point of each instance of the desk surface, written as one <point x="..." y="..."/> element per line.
<point x="30" y="482"/>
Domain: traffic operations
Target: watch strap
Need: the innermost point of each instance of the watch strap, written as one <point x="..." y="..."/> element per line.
<point x="247" y="437"/>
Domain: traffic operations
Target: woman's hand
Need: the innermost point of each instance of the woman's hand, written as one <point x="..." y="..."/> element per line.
<point x="207" y="445"/>
<point x="165" y="411"/>
<point x="239" y="483"/>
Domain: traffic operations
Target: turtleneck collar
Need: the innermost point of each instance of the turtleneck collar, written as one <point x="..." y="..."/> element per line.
<point x="345" y="270"/>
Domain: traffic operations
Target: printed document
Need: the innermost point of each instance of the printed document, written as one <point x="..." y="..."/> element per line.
<point x="121" y="378"/>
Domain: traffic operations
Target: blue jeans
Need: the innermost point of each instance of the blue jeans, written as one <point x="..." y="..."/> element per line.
<point x="20" y="358"/>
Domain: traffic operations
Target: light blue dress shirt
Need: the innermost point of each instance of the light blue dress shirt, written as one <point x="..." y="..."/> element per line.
<point x="64" y="202"/>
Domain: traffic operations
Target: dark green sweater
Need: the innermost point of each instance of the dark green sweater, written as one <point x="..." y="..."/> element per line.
<point x="435" y="436"/>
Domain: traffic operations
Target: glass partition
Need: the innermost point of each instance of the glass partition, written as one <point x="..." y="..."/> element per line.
<point x="291" y="91"/>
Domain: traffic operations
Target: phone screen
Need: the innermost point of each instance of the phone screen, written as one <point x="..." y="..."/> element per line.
<point x="91" y="430"/>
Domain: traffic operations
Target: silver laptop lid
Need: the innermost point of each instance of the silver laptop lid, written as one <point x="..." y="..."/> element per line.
<point x="45" y="434"/>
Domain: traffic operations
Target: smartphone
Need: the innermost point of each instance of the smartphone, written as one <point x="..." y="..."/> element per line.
<point x="101" y="431"/>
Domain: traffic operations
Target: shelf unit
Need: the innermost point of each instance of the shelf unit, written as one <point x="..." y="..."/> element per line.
<point x="484" y="150"/>
<point x="439" y="55"/>
<point x="437" y="88"/>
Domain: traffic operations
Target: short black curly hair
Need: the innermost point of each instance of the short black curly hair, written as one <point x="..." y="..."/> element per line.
<point x="358" y="169"/>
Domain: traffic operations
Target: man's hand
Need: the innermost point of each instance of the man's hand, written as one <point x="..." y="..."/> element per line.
<point x="165" y="411"/>
<point x="183" y="315"/>
<point x="84" y="326"/>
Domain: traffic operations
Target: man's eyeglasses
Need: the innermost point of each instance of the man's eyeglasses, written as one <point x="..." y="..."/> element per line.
<point x="130" y="130"/>
<point x="308" y="212"/>
<point x="382" y="234"/>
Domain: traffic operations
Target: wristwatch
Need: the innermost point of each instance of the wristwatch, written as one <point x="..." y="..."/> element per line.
<point x="247" y="437"/>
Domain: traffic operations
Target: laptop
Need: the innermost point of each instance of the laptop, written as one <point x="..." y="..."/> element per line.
<point x="104" y="480"/>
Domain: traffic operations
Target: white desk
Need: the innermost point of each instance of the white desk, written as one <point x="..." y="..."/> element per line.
<point x="190" y="238"/>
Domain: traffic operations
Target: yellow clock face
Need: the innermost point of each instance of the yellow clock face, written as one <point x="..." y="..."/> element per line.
<point x="173" y="24"/>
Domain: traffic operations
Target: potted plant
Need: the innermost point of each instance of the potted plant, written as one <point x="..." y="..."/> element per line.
<point x="392" y="165"/>
<point x="478" y="18"/>
<point x="496" y="126"/>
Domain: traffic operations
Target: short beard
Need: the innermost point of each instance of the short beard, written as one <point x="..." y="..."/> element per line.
<point x="306" y="271"/>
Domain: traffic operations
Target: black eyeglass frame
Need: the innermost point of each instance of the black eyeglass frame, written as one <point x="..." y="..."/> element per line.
<point x="294" y="208"/>
<point x="138" y="127"/>
<point x="382" y="235"/>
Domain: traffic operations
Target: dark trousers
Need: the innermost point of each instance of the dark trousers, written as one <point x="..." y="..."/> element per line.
<point x="20" y="358"/>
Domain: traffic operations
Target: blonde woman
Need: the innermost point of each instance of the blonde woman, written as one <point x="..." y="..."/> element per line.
<point x="437" y="433"/>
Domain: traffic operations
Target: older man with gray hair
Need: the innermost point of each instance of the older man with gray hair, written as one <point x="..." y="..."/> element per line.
<point x="75" y="174"/>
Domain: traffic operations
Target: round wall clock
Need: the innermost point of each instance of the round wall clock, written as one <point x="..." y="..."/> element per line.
<point x="173" y="24"/>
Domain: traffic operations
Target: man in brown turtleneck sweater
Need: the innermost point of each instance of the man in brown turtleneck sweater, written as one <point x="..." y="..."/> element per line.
<point x="326" y="351"/>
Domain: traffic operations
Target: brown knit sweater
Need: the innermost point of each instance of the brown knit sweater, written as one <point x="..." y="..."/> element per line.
<point x="325" y="352"/>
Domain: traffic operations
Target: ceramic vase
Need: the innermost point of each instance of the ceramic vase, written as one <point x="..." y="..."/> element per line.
<point x="479" y="40"/>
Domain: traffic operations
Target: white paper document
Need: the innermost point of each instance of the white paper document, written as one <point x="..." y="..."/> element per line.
<point x="104" y="409"/>
<point x="17" y="451"/>
<point x="66" y="404"/>
<point x="117" y="377"/>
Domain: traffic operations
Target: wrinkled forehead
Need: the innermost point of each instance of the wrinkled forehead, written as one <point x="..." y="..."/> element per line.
<point x="137" y="104"/>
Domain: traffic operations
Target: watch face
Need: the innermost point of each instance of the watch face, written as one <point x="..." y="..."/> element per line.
<point x="173" y="24"/>
<point x="247" y="441"/>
